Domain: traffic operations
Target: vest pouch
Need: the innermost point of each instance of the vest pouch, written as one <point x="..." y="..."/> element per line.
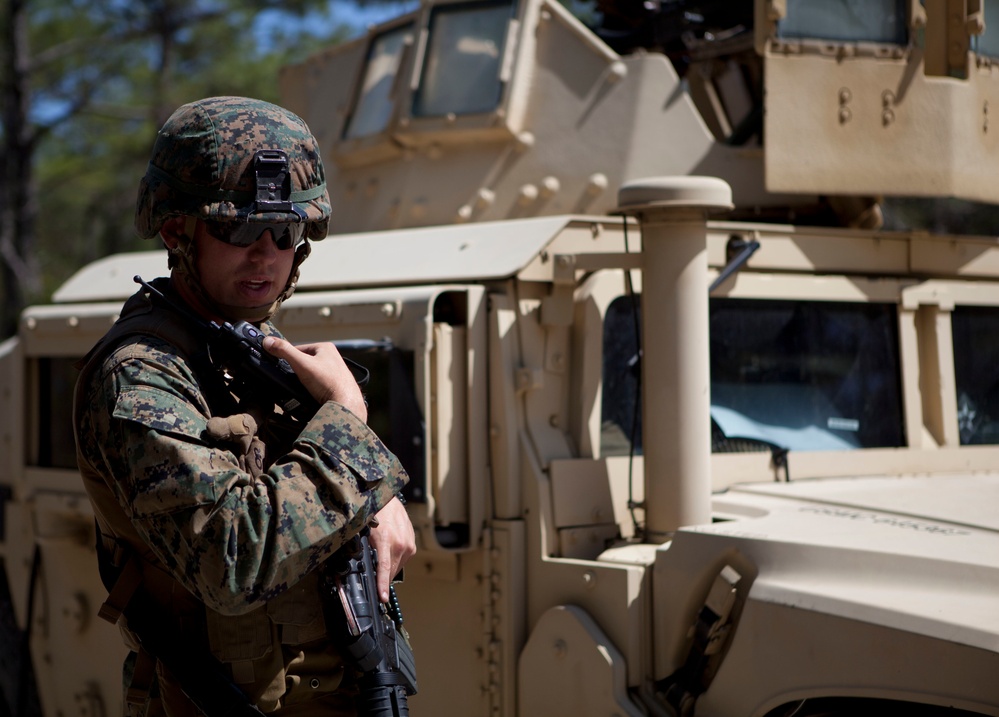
<point x="298" y="613"/>
<point x="242" y="641"/>
<point x="251" y="645"/>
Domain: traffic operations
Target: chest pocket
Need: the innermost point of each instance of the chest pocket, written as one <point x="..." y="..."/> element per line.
<point x="157" y="488"/>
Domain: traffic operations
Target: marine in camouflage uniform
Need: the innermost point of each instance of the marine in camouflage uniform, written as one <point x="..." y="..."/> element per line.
<point x="222" y="506"/>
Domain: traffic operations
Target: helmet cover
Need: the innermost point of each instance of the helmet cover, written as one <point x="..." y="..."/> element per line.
<point x="203" y="166"/>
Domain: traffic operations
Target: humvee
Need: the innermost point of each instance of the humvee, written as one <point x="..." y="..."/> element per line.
<point x="689" y="431"/>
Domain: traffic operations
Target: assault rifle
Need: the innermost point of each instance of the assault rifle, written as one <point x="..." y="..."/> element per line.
<point x="374" y="638"/>
<point x="367" y="632"/>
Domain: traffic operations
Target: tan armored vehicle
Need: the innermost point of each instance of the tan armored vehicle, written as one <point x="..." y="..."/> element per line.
<point x="689" y="433"/>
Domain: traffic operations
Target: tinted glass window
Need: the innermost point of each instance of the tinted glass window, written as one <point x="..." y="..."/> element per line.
<point x="56" y="444"/>
<point x="393" y="409"/>
<point x="988" y="42"/>
<point x="461" y="73"/>
<point x="804" y="376"/>
<point x="846" y="20"/>
<point x="621" y="408"/>
<point x="976" y="372"/>
<point x="375" y="101"/>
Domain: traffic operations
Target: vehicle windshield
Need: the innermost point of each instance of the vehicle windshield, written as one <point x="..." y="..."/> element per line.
<point x="806" y="375"/>
<point x="798" y="375"/>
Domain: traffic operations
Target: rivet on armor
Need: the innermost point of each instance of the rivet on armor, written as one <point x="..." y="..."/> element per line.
<point x="597" y="183"/>
<point x="484" y="198"/>
<point x="618" y="71"/>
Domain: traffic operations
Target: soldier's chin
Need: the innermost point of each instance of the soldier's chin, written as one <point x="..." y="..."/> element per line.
<point x="253" y="314"/>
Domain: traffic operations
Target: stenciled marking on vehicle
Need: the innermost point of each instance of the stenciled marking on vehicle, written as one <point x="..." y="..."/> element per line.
<point x="889" y="520"/>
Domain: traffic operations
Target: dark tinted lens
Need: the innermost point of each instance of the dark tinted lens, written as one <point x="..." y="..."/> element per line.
<point x="243" y="234"/>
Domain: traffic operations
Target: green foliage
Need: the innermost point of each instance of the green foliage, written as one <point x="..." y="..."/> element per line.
<point x="104" y="76"/>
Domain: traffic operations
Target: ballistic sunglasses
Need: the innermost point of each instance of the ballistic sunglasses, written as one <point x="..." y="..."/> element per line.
<point x="243" y="234"/>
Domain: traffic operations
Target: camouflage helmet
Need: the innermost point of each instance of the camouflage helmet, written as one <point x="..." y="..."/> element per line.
<point x="209" y="162"/>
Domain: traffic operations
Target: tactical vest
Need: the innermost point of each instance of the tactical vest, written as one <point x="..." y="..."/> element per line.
<point x="278" y="653"/>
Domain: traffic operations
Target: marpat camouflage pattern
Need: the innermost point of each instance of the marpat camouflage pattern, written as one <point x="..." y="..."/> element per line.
<point x="230" y="538"/>
<point x="229" y="131"/>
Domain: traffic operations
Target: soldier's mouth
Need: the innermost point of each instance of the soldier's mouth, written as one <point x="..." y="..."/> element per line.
<point x="256" y="287"/>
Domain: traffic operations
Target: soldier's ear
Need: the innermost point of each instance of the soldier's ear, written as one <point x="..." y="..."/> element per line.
<point x="172" y="231"/>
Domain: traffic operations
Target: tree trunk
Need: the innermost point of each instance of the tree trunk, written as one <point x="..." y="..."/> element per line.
<point x="19" y="272"/>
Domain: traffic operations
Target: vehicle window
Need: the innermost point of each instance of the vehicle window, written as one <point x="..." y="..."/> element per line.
<point x="806" y="375"/>
<point x="799" y="375"/>
<point x="975" y="331"/>
<point x="461" y="72"/>
<point x="393" y="409"/>
<point x="621" y="415"/>
<point x="988" y="42"/>
<point x="56" y="444"/>
<point x="375" y="101"/>
<point x="846" y="20"/>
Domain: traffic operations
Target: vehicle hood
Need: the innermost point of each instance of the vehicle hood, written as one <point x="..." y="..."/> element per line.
<point x="919" y="554"/>
<point x="968" y="501"/>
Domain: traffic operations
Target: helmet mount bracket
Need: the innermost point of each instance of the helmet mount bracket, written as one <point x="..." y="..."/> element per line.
<point x="273" y="182"/>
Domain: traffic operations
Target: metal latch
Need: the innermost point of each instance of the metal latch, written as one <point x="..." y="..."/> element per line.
<point x="714" y="618"/>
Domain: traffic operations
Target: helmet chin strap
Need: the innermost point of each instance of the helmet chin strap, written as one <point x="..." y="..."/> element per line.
<point x="182" y="260"/>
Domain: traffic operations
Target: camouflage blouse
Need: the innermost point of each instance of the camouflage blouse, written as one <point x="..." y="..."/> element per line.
<point x="235" y="512"/>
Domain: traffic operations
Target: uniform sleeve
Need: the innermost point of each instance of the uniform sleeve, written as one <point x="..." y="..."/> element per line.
<point x="232" y="538"/>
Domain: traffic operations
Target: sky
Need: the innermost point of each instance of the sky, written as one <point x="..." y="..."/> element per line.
<point x="346" y="12"/>
<point x="353" y="14"/>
